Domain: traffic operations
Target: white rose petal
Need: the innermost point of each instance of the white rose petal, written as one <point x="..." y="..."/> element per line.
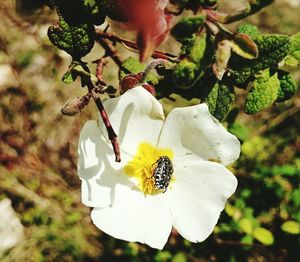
<point x="102" y="180"/>
<point x="136" y="217"/>
<point x="135" y="116"/>
<point x="126" y="202"/>
<point x="194" y="129"/>
<point x="198" y="196"/>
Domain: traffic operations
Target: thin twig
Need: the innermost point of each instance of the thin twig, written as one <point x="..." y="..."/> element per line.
<point x="101" y="63"/>
<point x="100" y="36"/>
<point x="110" y="50"/>
<point x="110" y="131"/>
<point x="154" y="63"/>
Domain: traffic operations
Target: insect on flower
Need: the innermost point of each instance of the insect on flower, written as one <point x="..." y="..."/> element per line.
<point x="162" y="173"/>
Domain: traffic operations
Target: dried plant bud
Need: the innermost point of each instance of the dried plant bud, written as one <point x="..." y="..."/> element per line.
<point x="133" y="80"/>
<point x="75" y="105"/>
<point x="149" y="88"/>
<point x="223" y="54"/>
<point x="129" y="82"/>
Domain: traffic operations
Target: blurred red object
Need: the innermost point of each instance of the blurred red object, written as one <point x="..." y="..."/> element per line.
<point x="148" y="18"/>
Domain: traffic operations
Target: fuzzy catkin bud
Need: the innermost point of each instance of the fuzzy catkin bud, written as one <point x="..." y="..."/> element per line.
<point x="75" y="105"/>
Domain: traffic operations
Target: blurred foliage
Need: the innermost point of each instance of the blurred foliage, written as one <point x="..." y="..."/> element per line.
<point x="208" y="50"/>
<point x="38" y="146"/>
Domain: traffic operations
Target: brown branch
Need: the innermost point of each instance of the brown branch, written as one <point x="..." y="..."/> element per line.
<point x="101" y="63"/>
<point x="110" y="50"/>
<point x="110" y="131"/>
<point x="100" y="36"/>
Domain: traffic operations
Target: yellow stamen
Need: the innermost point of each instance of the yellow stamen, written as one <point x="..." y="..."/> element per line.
<point x="143" y="164"/>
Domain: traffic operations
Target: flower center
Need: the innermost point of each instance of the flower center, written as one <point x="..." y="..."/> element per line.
<point x="152" y="168"/>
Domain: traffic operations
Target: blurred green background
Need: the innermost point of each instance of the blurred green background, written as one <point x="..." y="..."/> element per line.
<point x="38" y="155"/>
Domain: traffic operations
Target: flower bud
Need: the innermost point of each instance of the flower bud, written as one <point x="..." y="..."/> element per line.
<point x="133" y="80"/>
<point x="75" y="105"/>
<point x="128" y="82"/>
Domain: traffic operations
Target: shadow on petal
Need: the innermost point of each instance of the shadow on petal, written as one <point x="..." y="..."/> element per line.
<point x="103" y="179"/>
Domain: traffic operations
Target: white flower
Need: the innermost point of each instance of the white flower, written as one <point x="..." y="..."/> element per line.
<point x="11" y="229"/>
<point x="126" y="203"/>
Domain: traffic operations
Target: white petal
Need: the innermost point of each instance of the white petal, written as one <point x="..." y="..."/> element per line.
<point x="198" y="195"/>
<point x="103" y="181"/>
<point x="194" y="129"/>
<point x="11" y="228"/>
<point x="136" y="116"/>
<point x="145" y="219"/>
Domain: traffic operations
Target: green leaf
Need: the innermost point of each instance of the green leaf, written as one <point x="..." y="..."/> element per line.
<point x="240" y="131"/>
<point x="291" y="61"/>
<point x="271" y="49"/>
<point x="163" y="256"/>
<point x="179" y="257"/>
<point x="185" y="74"/>
<point x="244" y="46"/>
<point x="74" y="33"/>
<point x="84" y="72"/>
<point x="288" y="86"/>
<point x="248" y="29"/>
<point x="229" y="209"/>
<point x="296" y="192"/>
<point x="247" y="239"/>
<point x="246" y="225"/>
<point x="113" y="9"/>
<point x="220" y="99"/>
<point x="296" y="54"/>
<point x="69" y="77"/>
<point x="295" y="42"/>
<point x="198" y="49"/>
<point x="98" y="17"/>
<point x="291" y="227"/>
<point x="263" y="235"/>
<point x="133" y="66"/>
<point x="77" y="69"/>
<point x="263" y="93"/>
<point x="187" y="26"/>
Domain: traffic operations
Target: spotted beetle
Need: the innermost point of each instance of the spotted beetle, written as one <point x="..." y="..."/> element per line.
<point x="162" y="173"/>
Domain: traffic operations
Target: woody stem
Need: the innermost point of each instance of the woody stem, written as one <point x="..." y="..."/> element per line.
<point x="100" y="36"/>
<point x="110" y="131"/>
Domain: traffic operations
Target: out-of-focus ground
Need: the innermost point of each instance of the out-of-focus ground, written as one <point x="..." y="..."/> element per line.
<point x="38" y="155"/>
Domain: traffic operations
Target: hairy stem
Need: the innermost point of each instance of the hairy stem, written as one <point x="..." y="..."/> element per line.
<point x="154" y="63"/>
<point x="101" y="63"/>
<point x="110" y="131"/>
<point x="110" y="50"/>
